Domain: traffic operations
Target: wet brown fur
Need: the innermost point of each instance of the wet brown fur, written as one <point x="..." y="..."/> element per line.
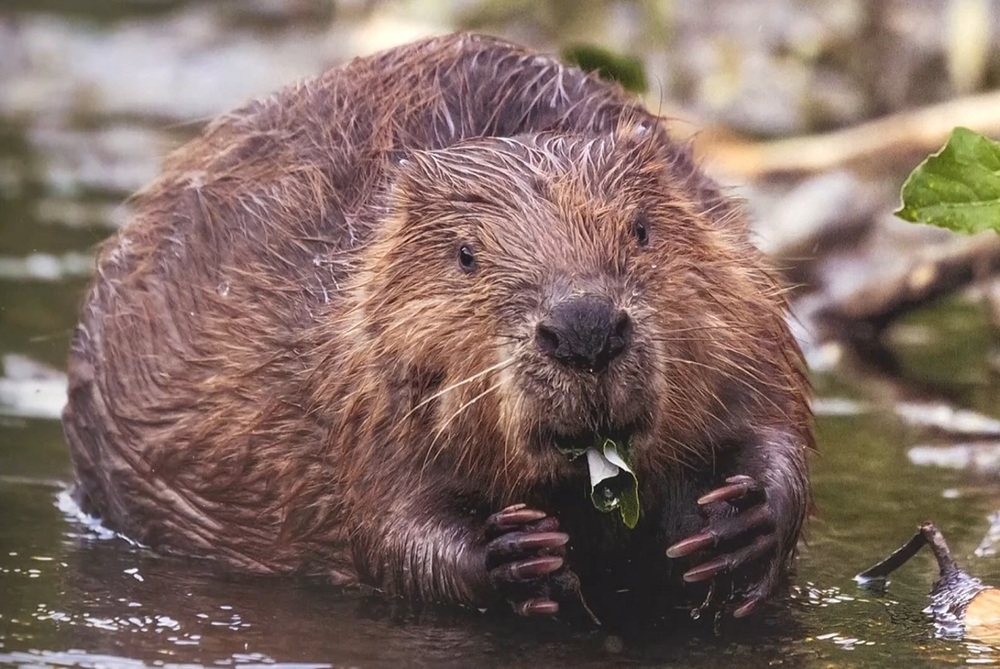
<point x="280" y="364"/>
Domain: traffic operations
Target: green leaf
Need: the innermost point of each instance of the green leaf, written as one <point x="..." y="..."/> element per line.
<point x="601" y="470"/>
<point x="630" y="504"/>
<point x="958" y="187"/>
<point x="612" y="483"/>
<point x="628" y="494"/>
<point x="626" y="70"/>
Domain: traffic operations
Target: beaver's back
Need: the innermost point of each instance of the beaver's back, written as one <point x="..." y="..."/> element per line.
<point x="188" y="413"/>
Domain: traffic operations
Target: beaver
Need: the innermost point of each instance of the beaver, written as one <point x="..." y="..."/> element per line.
<point x="352" y="327"/>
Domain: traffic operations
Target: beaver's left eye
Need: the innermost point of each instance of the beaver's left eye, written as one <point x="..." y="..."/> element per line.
<point x="466" y="258"/>
<point x="639" y="229"/>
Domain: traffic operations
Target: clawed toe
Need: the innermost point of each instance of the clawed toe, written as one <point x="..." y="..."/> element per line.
<point x="525" y="560"/>
<point x="511" y="518"/>
<point x="524" y="571"/>
<point x="741" y="541"/>
<point x="514" y="545"/>
<point x="759" y="548"/>
<point x="737" y="488"/>
<point x="536" y="607"/>
<point x="757" y="520"/>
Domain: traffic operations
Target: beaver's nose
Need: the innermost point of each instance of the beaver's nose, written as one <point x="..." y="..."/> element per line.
<point x="584" y="332"/>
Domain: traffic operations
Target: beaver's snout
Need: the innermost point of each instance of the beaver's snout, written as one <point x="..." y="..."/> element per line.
<point x="585" y="333"/>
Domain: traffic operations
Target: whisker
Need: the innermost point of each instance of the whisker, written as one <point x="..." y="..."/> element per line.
<point x="469" y="379"/>
<point x="681" y="339"/>
<point x="693" y="363"/>
<point x="748" y="371"/>
<point x="518" y="338"/>
<point x="502" y="474"/>
<point x="723" y="326"/>
<point x="440" y="431"/>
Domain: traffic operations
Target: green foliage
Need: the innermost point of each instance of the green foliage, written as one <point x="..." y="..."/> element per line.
<point x="612" y="482"/>
<point x="958" y="187"/>
<point x="626" y="70"/>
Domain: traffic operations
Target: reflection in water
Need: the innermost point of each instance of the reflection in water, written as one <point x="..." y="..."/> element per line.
<point x="76" y="594"/>
<point x="118" y="600"/>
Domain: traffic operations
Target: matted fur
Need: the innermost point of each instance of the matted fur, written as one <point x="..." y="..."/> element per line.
<point x="281" y="365"/>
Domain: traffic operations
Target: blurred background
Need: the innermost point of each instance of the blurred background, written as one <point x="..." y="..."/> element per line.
<point x="812" y="112"/>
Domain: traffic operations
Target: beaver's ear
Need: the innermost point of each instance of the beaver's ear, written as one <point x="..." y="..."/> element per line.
<point x="427" y="183"/>
<point x="407" y="193"/>
<point x="646" y="139"/>
<point x="650" y="135"/>
<point x="417" y="182"/>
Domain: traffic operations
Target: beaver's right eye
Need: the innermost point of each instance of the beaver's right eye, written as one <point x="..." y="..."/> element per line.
<point x="466" y="258"/>
<point x="640" y="231"/>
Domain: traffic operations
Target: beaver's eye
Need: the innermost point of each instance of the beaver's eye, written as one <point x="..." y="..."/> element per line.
<point x="466" y="259"/>
<point x="640" y="231"/>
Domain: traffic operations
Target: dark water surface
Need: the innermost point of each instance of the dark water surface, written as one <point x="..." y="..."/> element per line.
<point x="73" y="142"/>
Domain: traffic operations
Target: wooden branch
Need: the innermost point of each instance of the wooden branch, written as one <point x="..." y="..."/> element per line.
<point x="891" y="138"/>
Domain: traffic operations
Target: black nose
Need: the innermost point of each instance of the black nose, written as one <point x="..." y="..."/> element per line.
<point x="584" y="332"/>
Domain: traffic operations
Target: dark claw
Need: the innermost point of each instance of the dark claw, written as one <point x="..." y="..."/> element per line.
<point x="740" y="541"/>
<point x="525" y="561"/>
<point x="514" y="545"/>
<point x="512" y="517"/>
<point x="755" y="520"/>
<point x="738" y="488"/>
<point x="757" y="595"/>
<point x="746" y="608"/>
<point x="708" y="570"/>
<point x="761" y="546"/>
<point x="692" y="545"/>
<point x="533" y="568"/>
<point x="525" y="570"/>
<point x="536" y="607"/>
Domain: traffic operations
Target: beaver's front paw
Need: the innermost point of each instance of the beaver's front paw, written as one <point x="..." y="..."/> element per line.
<point x="744" y="544"/>
<point x="524" y="558"/>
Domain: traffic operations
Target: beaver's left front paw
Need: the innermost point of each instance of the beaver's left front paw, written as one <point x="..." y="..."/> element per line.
<point x="737" y="543"/>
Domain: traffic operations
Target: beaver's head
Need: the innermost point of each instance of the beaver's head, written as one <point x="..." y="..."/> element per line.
<point x="546" y="291"/>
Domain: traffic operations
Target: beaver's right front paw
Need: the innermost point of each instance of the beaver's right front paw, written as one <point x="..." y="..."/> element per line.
<point x="524" y="557"/>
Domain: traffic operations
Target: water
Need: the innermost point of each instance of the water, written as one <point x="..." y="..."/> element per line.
<point x="82" y="124"/>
